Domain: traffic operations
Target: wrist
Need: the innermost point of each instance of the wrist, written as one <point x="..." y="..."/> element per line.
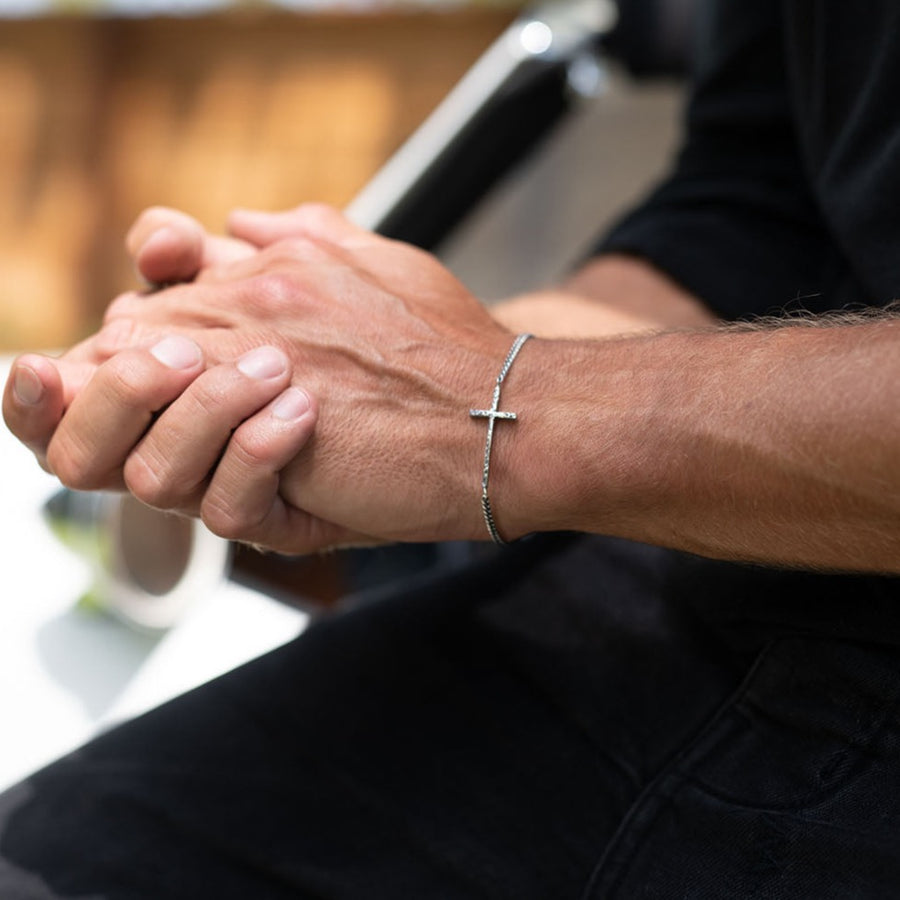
<point x="578" y="456"/>
<point x="492" y="416"/>
<point x="610" y="296"/>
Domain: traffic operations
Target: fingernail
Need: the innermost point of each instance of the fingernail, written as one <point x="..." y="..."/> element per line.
<point x="292" y="404"/>
<point x="27" y="386"/>
<point x="177" y="352"/>
<point x="263" y="362"/>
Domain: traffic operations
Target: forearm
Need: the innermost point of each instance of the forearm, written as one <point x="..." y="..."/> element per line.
<point x="775" y="446"/>
<point x="778" y="446"/>
<point x="609" y="295"/>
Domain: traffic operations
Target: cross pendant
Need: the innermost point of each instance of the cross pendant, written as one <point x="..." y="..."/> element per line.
<point x="494" y="412"/>
<point x="491" y="415"/>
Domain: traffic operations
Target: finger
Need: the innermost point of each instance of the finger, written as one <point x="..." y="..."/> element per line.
<point x="77" y="365"/>
<point x="222" y="251"/>
<point x="39" y="390"/>
<point x="170" y="466"/>
<point x="33" y="402"/>
<point x="283" y="256"/>
<point x="113" y="410"/>
<point x="381" y="257"/>
<point x="170" y="256"/>
<point x="170" y="246"/>
<point x="166" y="245"/>
<point x="243" y="502"/>
<point x="314" y="220"/>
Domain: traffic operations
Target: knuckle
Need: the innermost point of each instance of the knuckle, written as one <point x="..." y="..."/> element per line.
<point x="225" y="510"/>
<point x="70" y="462"/>
<point x="210" y="398"/>
<point x="118" y="307"/>
<point x="225" y="519"/>
<point x="145" y="480"/>
<point x="275" y="292"/>
<point x="126" y="382"/>
<point x="148" y="473"/>
<point x="117" y="333"/>
<point x="249" y="451"/>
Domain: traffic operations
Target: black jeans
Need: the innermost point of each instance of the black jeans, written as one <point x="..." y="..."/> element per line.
<point x="580" y="719"/>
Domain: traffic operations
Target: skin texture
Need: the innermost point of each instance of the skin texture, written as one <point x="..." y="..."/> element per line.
<point x="371" y="354"/>
<point x="167" y="452"/>
<point x="774" y="446"/>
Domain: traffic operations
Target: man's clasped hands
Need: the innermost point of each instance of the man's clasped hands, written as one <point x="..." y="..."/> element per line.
<point x="299" y="384"/>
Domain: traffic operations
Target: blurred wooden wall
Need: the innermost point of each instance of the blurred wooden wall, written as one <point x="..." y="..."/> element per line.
<point x="100" y="118"/>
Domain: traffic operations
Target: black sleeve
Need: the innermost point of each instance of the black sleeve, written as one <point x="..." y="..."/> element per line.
<point x="734" y="222"/>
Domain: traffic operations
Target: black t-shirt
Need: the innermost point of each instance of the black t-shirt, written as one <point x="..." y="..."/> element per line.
<point x="785" y="194"/>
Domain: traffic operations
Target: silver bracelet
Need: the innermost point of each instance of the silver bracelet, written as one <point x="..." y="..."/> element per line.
<point x="492" y="415"/>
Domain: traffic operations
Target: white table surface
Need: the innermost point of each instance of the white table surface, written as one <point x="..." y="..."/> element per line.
<point x="66" y="673"/>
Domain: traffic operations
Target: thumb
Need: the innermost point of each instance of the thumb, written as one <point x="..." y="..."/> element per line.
<point x="169" y="246"/>
<point x="166" y="245"/>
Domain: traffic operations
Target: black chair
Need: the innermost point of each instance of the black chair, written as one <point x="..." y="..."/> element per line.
<point x="548" y="61"/>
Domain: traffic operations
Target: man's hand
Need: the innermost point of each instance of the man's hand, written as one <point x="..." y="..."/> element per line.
<point x="393" y="347"/>
<point x="167" y="247"/>
<point x="609" y="296"/>
<point x="238" y="433"/>
<point x="773" y="445"/>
